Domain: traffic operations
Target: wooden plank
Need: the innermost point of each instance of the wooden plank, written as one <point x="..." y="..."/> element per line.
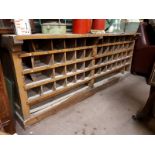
<point x="20" y="84"/>
<point x="68" y="35"/>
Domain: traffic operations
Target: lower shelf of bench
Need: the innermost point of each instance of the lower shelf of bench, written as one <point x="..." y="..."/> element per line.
<point x="77" y="97"/>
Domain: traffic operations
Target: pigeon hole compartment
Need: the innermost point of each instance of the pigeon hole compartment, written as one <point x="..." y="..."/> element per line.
<point x="98" y="61"/>
<point x="34" y="93"/>
<point x="70" y="43"/>
<point x="88" y="74"/>
<point x="60" y="84"/>
<point x="80" y="77"/>
<point x="91" y="41"/>
<point x="80" y="54"/>
<point x="88" y="64"/>
<point x="71" y="80"/>
<point x="110" y="58"/>
<point x="100" y="50"/>
<point x="80" y="42"/>
<point x="41" y="45"/>
<point x="59" y="71"/>
<point x="103" y="69"/>
<point x="88" y="52"/>
<point x="42" y="60"/>
<point x="58" y="44"/>
<point x="27" y="63"/>
<point x="42" y="75"/>
<point x="28" y="78"/>
<point x="70" y="69"/>
<point x="106" y="40"/>
<point x="104" y="59"/>
<point x="80" y="66"/>
<point x="70" y="56"/>
<point x="48" y="88"/>
<point x="115" y="57"/>
<point x="59" y="58"/>
<point x="97" y="71"/>
<point x="113" y="39"/>
<point x="105" y="49"/>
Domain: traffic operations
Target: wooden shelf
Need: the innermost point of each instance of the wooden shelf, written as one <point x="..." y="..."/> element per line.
<point x="47" y="66"/>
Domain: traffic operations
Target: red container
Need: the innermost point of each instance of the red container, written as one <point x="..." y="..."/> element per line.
<point x="81" y="26"/>
<point x="98" y="24"/>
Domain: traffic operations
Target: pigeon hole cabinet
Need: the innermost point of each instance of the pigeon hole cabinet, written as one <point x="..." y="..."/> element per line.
<point x="51" y="67"/>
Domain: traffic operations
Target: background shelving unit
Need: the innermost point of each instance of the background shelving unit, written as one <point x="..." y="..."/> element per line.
<point x="47" y="66"/>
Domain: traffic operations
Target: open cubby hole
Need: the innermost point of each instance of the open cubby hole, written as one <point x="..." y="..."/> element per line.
<point x="121" y="38"/>
<point x="111" y="48"/>
<point x="70" y="56"/>
<point x="28" y="78"/>
<point x="42" y="75"/>
<point x="59" y="71"/>
<point x="70" y="43"/>
<point x="112" y="39"/>
<point x="71" y="80"/>
<point x="88" y="74"/>
<point x="42" y="44"/>
<point x="80" y="66"/>
<point x="80" y="77"/>
<point x="105" y="49"/>
<point x="34" y="92"/>
<point x="103" y="69"/>
<point x="42" y="60"/>
<point x="124" y="54"/>
<point x="59" y="58"/>
<point x="98" y="61"/>
<point x="129" y="53"/>
<point x="80" y="54"/>
<point x="106" y="40"/>
<point x="99" y="50"/>
<point x="80" y="42"/>
<point x="100" y="41"/>
<point x="110" y="58"/>
<point x="115" y="56"/>
<point x="91" y="41"/>
<point x="60" y="84"/>
<point x="119" y="63"/>
<point x="104" y="59"/>
<point x="48" y="88"/>
<point x="88" y="52"/>
<point x="97" y="70"/>
<point x="119" y="55"/>
<point x="88" y="64"/>
<point x="70" y="69"/>
<point x="131" y="45"/>
<point x="27" y="63"/>
<point x="109" y="67"/>
<point x="58" y="44"/>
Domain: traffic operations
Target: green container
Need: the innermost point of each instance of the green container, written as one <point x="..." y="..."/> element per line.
<point x="53" y="28"/>
<point x="131" y="27"/>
